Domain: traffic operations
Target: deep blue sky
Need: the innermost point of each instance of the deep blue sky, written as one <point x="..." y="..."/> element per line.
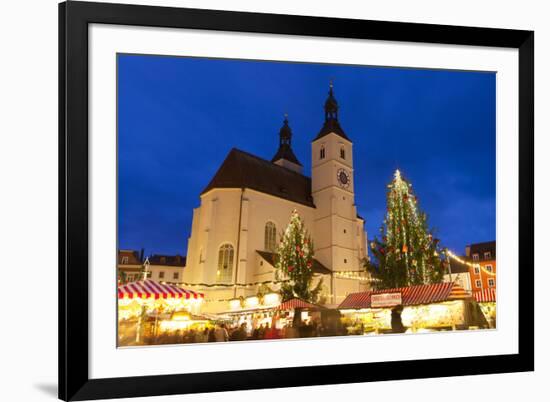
<point x="179" y="117"/>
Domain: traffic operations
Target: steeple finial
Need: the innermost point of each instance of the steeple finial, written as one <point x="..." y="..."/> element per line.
<point x="285" y="134"/>
<point x="331" y="106"/>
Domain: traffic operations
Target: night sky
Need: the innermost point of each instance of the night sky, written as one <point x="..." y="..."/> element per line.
<point x="179" y="117"/>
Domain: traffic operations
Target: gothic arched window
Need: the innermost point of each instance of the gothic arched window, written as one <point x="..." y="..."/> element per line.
<point x="225" y="263"/>
<point x="342" y="153"/>
<point x="270" y="239"/>
<point x="322" y="152"/>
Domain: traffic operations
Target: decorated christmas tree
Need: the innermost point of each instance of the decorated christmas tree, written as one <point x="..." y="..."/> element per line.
<point x="407" y="252"/>
<point x="295" y="262"/>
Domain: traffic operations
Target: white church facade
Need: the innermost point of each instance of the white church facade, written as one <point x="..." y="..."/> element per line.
<point x="248" y="203"/>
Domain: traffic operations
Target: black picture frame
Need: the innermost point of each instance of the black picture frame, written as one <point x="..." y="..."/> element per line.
<point x="74" y="381"/>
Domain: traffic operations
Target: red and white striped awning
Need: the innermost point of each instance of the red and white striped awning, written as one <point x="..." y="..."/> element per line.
<point x="485" y="295"/>
<point x="147" y="288"/>
<point x="296" y="303"/>
<point x="410" y="295"/>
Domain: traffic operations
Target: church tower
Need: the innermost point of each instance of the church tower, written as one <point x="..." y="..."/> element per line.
<point x="337" y="226"/>
<point x="285" y="156"/>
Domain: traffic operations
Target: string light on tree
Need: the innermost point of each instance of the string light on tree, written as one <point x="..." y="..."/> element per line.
<point x="406" y="253"/>
<point x="295" y="262"/>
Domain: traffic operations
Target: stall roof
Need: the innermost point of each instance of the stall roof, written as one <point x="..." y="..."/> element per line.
<point x="410" y="296"/>
<point x="485" y="295"/>
<point x="297" y="303"/>
<point x="147" y="288"/>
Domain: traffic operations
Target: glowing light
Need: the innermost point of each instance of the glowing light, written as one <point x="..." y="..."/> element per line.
<point x="234" y="304"/>
<point x="252" y="301"/>
<point x="461" y="261"/>
<point x="271" y="299"/>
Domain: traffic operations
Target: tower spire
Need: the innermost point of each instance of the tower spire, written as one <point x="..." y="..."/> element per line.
<point x="285" y="156"/>
<point x="331" y="105"/>
<point x="331" y="116"/>
<point x="285" y="134"/>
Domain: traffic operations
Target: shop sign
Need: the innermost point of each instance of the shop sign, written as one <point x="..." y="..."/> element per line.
<point x="385" y="300"/>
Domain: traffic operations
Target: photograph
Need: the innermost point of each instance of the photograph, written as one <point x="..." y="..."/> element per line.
<point x="268" y="200"/>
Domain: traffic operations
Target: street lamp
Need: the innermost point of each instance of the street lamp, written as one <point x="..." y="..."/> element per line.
<point x="145" y="268"/>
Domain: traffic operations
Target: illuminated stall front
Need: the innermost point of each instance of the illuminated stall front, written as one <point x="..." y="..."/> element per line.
<point x="270" y="311"/>
<point x="151" y="308"/>
<point x="442" y="306"/>
<point x="487" y="300"/>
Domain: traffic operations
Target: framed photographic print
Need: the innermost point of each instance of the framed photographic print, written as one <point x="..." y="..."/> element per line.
<point x="258" y="201"/>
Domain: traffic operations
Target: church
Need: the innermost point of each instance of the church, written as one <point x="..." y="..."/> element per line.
<point x="248" y="203"/>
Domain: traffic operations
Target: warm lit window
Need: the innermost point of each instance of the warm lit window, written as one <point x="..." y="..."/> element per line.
<point x="491" y="283"/>
<point x="342" y="153"/>
<point x="176" y="275"/>
<point x="322" y="152"/>
<point x="475" y="257"/>
<point x="270" y="239"/>
<point x="487" y="255"/>
<point x="124" y="260"/>
<point x="489" y="268"/>
<point x="225" y="263"/>
<point x="478" y="283"/>
<point x="476" y="270"/>
<point x="161" y="274"/>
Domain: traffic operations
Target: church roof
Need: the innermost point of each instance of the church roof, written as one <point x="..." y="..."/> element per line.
<point x="168" y="260"/>
<point x="285" y="152"/>
<point x="243" y="170"/>
<point x="331" y="126"/>
<point x="317" y="267"/>
<point x="482" y="248"/>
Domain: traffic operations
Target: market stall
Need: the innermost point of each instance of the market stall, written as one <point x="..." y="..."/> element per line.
<point x="269" y="312"/>
<point x="148" y="309"/>
<point x="441" y="306"/>
<point x="254" y="311"/>
<point x="487" y="300"/>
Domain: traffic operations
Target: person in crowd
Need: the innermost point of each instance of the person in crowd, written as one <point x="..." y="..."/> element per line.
<point x="201" y="336"/>
<point x="256" y="333"/>
<point x="291" y="332"/>
<point x="316" y="331"/>
<point x="261" y="331"/>
<point x="272" y="333"/>
<point x="212" y="335"/>
<point x="240" y="333"/>
<point x="221" y="333"/>
<point x="397" y="326"/>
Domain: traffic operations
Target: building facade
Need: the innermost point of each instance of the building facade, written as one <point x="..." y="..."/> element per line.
<point x="248" y="203"/>
<point x="483" y="257"/>
<point x="165" y="268"/>
<point x="129" y="265"/>
<point x="459" y="274"/>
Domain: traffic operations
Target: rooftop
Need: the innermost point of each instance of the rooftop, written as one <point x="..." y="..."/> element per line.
<point x="243" y="170"/>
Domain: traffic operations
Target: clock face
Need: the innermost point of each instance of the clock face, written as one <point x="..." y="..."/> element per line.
<point x="343" y="178"/>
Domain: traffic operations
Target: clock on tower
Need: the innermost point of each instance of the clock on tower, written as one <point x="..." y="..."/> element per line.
<point x="337" y="227"/>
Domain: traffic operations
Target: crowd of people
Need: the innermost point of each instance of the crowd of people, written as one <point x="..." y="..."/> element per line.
<point x="240" y="332"/>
